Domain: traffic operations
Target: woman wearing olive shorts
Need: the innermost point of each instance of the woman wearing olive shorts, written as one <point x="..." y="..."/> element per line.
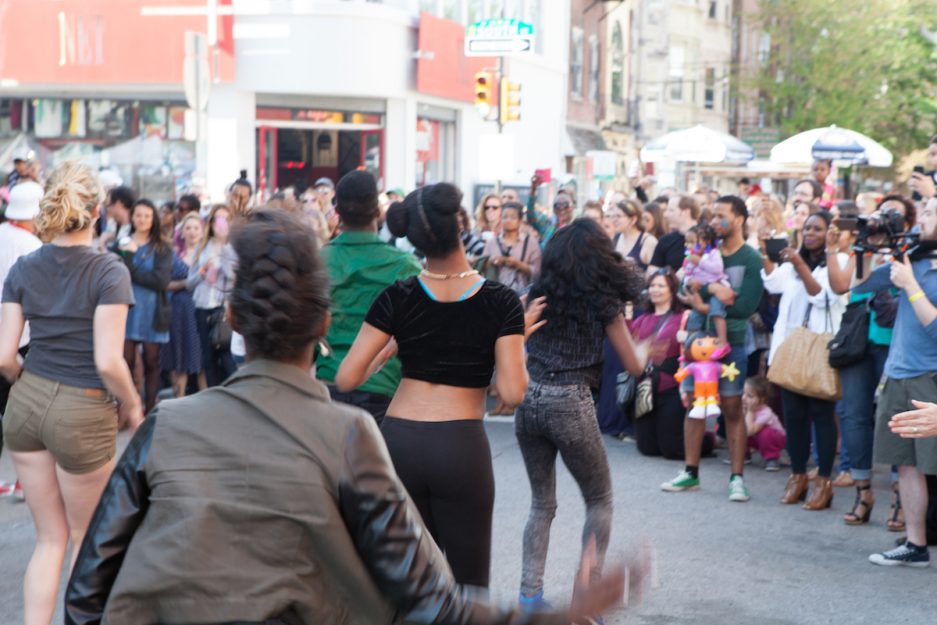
<point x="62" y="418"/>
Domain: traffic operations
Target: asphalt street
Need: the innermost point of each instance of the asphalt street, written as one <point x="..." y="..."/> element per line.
<point x="717" y="562"/>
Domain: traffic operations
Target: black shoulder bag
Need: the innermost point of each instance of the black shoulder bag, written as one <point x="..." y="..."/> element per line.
<point x="851" y="342"/>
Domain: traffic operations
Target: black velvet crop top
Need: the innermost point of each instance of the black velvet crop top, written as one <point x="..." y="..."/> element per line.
<point x="450" y="343"/>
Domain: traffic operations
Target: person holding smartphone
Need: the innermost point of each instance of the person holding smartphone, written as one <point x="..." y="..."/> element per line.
<point x="924" y="184"/>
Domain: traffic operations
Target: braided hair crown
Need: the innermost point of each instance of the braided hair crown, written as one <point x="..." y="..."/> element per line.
<point x="280" y="296"/>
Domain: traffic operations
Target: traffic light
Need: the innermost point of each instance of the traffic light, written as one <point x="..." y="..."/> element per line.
<point x="510" y="105"/>
<point x="484" y="92"/>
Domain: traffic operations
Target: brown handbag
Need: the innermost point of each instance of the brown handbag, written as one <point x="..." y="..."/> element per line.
<point x="802" y="363"/>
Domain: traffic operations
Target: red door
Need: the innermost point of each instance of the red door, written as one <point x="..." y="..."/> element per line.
<point x="266" y="161"/>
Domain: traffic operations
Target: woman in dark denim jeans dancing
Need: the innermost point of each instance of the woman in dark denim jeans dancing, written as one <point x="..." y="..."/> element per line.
<point x="586" y="285"/>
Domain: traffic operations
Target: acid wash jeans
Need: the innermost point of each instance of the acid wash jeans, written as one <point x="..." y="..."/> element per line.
<point x="561" y="419"/>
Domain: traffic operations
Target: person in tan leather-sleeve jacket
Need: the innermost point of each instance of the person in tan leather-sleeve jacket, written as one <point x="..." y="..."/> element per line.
<point x="261" y="501"/>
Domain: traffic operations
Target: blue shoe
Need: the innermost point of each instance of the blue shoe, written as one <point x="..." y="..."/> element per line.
<point x="533" y="604"/>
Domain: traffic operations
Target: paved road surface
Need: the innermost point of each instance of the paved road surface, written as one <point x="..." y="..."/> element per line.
<point x="719" y="563"/>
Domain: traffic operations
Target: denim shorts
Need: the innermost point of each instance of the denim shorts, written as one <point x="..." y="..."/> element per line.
<point x="727" y="388"/>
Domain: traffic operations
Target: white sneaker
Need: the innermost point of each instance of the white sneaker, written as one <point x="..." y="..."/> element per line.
<point x="737" y="490"/>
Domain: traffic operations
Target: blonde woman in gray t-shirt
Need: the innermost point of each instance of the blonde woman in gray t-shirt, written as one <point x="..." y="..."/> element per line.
<point x="74" y="390"/>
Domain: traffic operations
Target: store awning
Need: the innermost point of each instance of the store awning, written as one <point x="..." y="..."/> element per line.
<point x="578" y="141"/>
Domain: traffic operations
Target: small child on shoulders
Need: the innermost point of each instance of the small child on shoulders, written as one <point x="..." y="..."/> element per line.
<point x="704" y="266"/>
<point x="766" y="435"/>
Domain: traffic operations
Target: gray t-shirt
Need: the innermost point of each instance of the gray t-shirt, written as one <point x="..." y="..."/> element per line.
<point x="59" y="289"/>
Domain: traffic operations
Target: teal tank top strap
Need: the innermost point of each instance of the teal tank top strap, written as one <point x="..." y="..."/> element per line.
<point x="470" y="290"/>
<point x="426" y="289"/>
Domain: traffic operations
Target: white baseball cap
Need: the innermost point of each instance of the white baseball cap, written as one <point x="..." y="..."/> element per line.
<point x="23" y="154"/>
<point x="24" y="201"/>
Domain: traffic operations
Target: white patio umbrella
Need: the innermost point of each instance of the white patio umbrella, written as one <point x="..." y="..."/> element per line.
<point x="698" y="144"/>
<point x="833" y="143"/>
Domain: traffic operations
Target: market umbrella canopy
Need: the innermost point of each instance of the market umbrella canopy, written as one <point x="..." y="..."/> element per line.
<point x="833" y="143"/>
<point x="698" y="144"/>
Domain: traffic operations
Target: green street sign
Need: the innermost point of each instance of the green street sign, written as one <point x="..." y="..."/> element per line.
<point x="499" y="28"/>
<point x="499" y="37"/>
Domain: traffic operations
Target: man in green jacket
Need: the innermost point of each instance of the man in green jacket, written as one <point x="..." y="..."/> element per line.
<point x="360" y="265"/>
<point x="743" y="265"/>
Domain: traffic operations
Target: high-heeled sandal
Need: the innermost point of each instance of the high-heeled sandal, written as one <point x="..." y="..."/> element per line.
<point x="896" y="522"/>
<point x="854" y="518"/>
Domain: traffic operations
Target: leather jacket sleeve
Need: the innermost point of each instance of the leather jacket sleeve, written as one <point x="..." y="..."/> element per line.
<point x="398" y="550"/>
<point x="118" y="515"/>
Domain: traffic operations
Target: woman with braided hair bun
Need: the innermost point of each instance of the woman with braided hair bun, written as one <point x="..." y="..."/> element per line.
<point x="450" y="328"/>
<point x="262" y="501"/>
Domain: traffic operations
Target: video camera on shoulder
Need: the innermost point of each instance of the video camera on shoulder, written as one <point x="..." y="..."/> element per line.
<point x="883" y="229"/>
<point x="886" y="232"/>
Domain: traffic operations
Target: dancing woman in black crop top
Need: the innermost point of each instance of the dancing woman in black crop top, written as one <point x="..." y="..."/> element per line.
<point x="451" y="329"/>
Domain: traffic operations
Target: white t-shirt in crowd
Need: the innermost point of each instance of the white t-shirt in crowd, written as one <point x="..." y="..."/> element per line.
<point x="15" y="242"/>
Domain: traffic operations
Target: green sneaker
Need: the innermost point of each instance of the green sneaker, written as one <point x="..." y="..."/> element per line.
<point x="737" y="490"/>
<point x="682" y="482"/>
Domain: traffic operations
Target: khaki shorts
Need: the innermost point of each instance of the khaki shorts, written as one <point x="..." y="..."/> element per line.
<point x="78" y="426"/>
<point x="890" y="448"/>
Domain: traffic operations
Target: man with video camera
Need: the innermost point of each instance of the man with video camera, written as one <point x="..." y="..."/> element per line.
<point x="911" y="373"/>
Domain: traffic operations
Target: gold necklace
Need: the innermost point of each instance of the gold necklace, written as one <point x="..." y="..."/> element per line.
<point x="448" y="276"/>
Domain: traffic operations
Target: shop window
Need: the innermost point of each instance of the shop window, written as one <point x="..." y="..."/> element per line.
<point x="435" y="151"/>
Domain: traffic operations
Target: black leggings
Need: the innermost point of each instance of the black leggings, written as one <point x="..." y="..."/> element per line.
<point x="660" y="433"/>
<point x="799" y="412"/>
<point x="446" y="468"/>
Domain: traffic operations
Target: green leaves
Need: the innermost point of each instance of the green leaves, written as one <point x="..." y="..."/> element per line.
<point x="868" y="66"/>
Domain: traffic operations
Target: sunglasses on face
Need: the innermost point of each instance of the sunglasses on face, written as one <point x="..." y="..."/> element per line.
<point x="492" y="207"/>
<point x="561" y="205"/>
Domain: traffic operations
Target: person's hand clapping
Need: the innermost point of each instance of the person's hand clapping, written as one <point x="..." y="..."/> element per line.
<point x="918" y="423"/>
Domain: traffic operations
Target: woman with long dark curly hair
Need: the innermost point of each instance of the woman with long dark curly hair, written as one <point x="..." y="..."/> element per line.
<point x="586" y="285"/>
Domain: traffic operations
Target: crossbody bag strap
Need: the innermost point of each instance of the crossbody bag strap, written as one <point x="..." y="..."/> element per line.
<point x="806" y="323"/>
<point x="500" y="247"/>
